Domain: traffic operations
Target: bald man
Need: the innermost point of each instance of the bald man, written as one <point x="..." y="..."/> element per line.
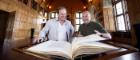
<point x="92" y="27"/>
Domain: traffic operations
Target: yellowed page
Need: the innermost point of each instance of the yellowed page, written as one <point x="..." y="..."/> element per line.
<point x="92" y="37"/>
<point x="60" y="48"/>
<point x="90" y="45"/>
<point x="77" y="41"/>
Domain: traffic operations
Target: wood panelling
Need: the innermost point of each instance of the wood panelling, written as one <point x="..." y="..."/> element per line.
<point x="134" y="14"/>
<point x="109" y="19"/>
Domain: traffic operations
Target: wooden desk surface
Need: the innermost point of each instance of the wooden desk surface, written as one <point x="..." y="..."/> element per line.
<point x="125" y="49"/>
<point x="130" y="56"/>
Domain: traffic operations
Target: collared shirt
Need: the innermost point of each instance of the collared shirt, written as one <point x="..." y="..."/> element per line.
<point x="87" y="29"/>
<point x="51" y="28"/>
<point x="62" y="36"/>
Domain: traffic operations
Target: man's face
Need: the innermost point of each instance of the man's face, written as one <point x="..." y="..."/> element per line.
<point x="62" y="14"/>
<point x="86" y="17"/>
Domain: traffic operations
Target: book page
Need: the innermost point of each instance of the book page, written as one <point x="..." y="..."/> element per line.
<point x="92" y="48"/>
<point x="89" y="38"/>
<point x="92" y="37"/>
<point x="77" y="42"/>
<point x="60" y="48"/>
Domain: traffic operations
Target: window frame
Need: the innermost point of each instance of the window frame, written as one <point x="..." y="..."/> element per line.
<point x="55" y="15"/>
<point x="124" y="14"/>
<point x="80" y="20"/>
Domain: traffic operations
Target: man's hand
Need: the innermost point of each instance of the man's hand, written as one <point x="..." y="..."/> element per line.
<point x="39" y="40"/>
<point x="97" y="32"/>
<point x="106" y="35"/>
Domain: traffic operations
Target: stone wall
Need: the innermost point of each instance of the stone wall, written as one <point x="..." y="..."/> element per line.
<point x="25" y="19"/>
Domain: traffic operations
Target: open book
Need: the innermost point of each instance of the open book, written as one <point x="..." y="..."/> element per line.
<point x="79" y="46"/>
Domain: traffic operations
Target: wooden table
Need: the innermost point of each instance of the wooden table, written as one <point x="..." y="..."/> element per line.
<point x="113" y="55"/>
<point x="130" y="56"/>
